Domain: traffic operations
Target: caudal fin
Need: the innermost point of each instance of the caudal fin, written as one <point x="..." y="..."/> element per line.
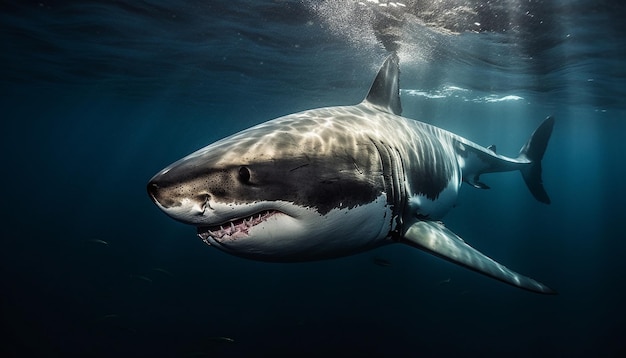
<point x="533" y="150"/>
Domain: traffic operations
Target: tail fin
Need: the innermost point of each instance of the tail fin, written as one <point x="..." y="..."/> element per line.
<point x="533" y="150"/>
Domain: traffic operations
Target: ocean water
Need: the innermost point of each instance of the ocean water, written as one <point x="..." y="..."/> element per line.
<point x="97" y="96"/>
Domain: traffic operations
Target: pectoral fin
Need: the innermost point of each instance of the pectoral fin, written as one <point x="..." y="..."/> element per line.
<point x="438" y="240"/>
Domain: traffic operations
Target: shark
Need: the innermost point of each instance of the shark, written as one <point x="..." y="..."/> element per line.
<point x="336" y="181"/>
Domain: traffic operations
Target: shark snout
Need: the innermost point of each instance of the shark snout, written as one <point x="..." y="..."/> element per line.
<point x="164" y="195"/>
<point x="179" y="201"/>
<point x="154" y="193"/>
<point x="153" y="189"/>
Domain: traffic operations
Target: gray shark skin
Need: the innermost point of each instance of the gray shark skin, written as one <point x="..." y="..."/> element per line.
<point x="336" y="181"/>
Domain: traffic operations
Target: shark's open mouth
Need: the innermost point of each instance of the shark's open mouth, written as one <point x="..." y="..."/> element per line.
<point x="235" y="228"/>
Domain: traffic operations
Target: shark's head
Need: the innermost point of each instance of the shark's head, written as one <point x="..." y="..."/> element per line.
<point x="306" y="186"/>
<point x="296" y="188"/>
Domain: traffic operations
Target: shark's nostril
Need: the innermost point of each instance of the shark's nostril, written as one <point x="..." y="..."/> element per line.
<point x="205" y="202"/>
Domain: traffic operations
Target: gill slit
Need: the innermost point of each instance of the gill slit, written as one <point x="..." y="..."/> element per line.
<point x="394" y="179"/>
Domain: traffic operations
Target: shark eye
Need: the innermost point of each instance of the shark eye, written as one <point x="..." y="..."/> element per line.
<point x="244" y="175"/>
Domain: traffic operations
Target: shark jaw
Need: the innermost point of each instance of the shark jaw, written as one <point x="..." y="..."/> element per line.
<point x="281" y="231"/>
<point x="237" y="228"/>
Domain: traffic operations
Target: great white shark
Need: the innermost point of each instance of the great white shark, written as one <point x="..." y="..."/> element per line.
<point x="335" y="181"/>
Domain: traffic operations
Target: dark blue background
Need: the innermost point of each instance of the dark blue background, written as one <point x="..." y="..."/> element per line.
<point x="97" y="97"/>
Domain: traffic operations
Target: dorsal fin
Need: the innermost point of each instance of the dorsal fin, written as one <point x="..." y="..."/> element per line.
<point x="385" y="91"/>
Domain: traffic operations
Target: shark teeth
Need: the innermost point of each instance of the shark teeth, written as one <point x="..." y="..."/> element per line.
<point x="233" y="229"/>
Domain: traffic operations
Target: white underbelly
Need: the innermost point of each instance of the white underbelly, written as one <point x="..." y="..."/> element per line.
<point x="422" y="207"/>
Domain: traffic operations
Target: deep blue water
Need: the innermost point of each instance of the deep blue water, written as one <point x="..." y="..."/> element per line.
<point x="98" y="96"/>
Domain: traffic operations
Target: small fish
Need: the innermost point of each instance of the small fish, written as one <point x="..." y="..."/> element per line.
<point x="381" y="262"/>
<point x="141" y="277"/>
<point x="163" y="271"/>
<point x="98" y="241"/>
<point x="221" y="339"/>
<point x="443" y="282"/>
